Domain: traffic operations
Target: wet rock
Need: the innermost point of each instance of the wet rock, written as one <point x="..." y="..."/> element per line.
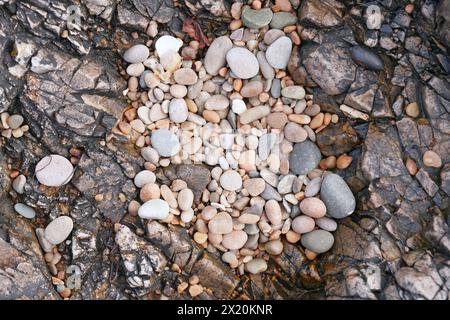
<point x="366" y="58"/>
<point x="196" y="176"/>
<point x="323" y="13"/>
<point x="337" y="139"/>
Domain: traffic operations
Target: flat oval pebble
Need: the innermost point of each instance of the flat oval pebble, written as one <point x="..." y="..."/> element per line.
<point x="256" y="19"/>
<point x="24" y="210"/>
<point x="266" y="69"/>
<point x="137" y="53"/>
<point x="251" y="89"/>
<point x="178" y="110"/>
<point x="221" y="223"/>
<point x="293" y="92"/>
<point x="18" y="183"/>
<point x="165" y="142"/>
<point x="277" y="120"/>
<point x="238" y="106"/>
<point x="217" y="102"/>
<point x="282" y="19"/>
<point x="304" y="157"/>
<point x="274" y="247"/>
<point x="144" y="177"/>
<point x="313" y="187"/>
<point x="58" y="230"/>
<point x="337" y="196"/>
<point x="318" y="241"/>
<point x="215" y="57"/>
<point x="154" y="209"/>
<point x="15" y="121"/>
<point x="231" y="180"/>
<point x="279" y="52"/>
<point x="313" y="207"/>
<point x="135" y="69"/>
<point x="167" y="43"/>
<point x="242" y="63"/>
<point x="273" y="211"/>
<point x="54" y="171"/>
<point x="234" y="240"/>
<point x="326" y="224"/>
<point x="254" y="113"/>
<point x="185" y="199"/>
<point x="366" y="58"/>
<point x="185" y="76"/>
<point x="294" y="132"/>
<point x="303" y="224"/>
<point x="255" y="186"/>
<point x="256" y="266"/>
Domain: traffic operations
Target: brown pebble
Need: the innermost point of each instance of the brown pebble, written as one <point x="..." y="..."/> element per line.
<point x="130" y="114"/>
<point x="66" y="293"/>
<point x="182" y="286"/>
<point x="343" y="161"/>
<point x="211" y="116"/>
<point x="310" y="255"/>
<point x="125" y="127"/>
<point x="256" y="4"/>
<point x="14" y="174"/>
<point x="411" y="166"/>
<point x="195" y="290"/>
<point x="432" y="159"/>
<point x="98" y="197"/>
<point x="317" y="121"/>
<point x="292" y="236"/>
<point x="194" y="280"/>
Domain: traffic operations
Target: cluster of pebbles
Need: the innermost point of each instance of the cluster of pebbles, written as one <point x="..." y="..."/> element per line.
<point x="12" y="125"/>
<point x="239" y="112"/>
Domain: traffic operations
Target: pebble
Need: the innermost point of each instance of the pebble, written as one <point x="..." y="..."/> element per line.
<point x="178" y="111"/>
<point x="185" y="76"/>
<point x="137" y="53"/>
<point x="304" y="157"/>
<point x="279" y="52"/>
<point x="256" y="19"/>
<point x="154" y="209"/>
<point x="256" y="266"/>
<point x="432" y="159"/>
<point x="326" y="224"/>
<point x="313" y="207"/>
<point x="313" y="187"/>
<point x="15" y="121"/>
<point x="294" y="132"/>
<point x="318" y="241"/>
<point x="271" y="35"/>
<point x="58" y="230"/>
<point x="221" y="223"/>
<point x="337" y="196"/>
<point x="255" y="186"/>
<point x="166" y="44"/>
<point x="185" y="199"/>
<point x="24" y="210"/>
<point x="18" y="183"/>
<point x="303" y="224"/>
<point x="273" y="211"/>
<point x="238" y="106"/>
<point x="366" y="58"/>
<point x="242" y="63"/>
<point x="266" y="69"/>
<point x="178" y="91"/>
<point x="274" y="247"/>
<point x="149" y="191"/>
<point x="144" y="177"/>
<point x="231" y="180"/>
<point x="165" y="142"/>
<point x="282" y="19"/>
<point x="343" y="161"/>
<point x="234" y="240"/>
<point x="412" y="110"/>
<point x="293" y="92"/>
<point x="54" y="171"/>
<point x="277" y="120"/>
<point x="217" y="102"/>
<point x="144" y="114"/>
<point x="251" y="89"/>
<point x="135" y="69"/>
<point x="254" y="114"/>
<point x="215" y="57"/>
<point x="285" y="184"/>
<point x="195" y="290"/>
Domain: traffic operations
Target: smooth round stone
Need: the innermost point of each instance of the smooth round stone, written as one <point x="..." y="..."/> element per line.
<point x="178" y="91"/>
<point x="18" y="183"/>
<point x="285" y="184"/>
<point x="254" y="114"/>
<point x="256" y="19"/>
<point x="266" y="69"/>
<point x="15" y="121"/>
<point x="185" y="76"/>
<point x="432" y="159"/>
<point x="277" y="120"/>
<point x="313" y="187"/>
<point x="274" y="247"/>
<point x="303" y="224"/>
<point x="294" y="132"/>
<point x="229" y="257"/>
<point x="304" y="157"/>
<point x="58" y="230"/>
<point x="318" y="241"/>
<point x="144" y="114"/>
<point x="255" y="186"/>
<point x="144" y="177"/>
<point x="412" y="110"/>
<point x="249" y="219"/>
<point x="154" y="209"/>
<point x="54" y="171"/>
<point x="256" y="266"/>
<point x="24" y="210"/>
<point x="165" y="142"/>
<point x="271" y="35"/>
<point x="282" y="19"/>
<point x="217" y="102"/>
<point x="337" y="196"/>
<point x="279" y="52"/>
<point x="293" y="92"/>
<point x="242" y="63"/>
<point x="137" y="53"/>
<point x="313" y="207"/>
<point x="135" y="69"/>
<point x="178" y="110"/>
<point x="238" y="106"/>
<point x="166" y="44"/>
<point x="221" y="223"/>
<point x="185" y="199"/>
<point x="326" y="224"/>
<point x="251" y="89"/>
<point x="234" y="240"/>
<point x="170" y="61"/>
<point x="150" y="154"/>
<point x="231" y="180"/>
<point x="273" y="211"/>
<point x="215" y="57"/>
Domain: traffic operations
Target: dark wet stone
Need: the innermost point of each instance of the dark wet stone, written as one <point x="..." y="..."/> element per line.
<point x="322" y="13"/>
<point x="366" y="58"/>
<point x="196" y="176"/>
<point x="337" y="196"/>
<point x="304" y="157"/>
<point x="337" y="139"/>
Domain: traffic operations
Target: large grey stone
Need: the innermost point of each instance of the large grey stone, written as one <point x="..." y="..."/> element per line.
<point x="304" y="157"/>
<point x="337" y="196"/>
